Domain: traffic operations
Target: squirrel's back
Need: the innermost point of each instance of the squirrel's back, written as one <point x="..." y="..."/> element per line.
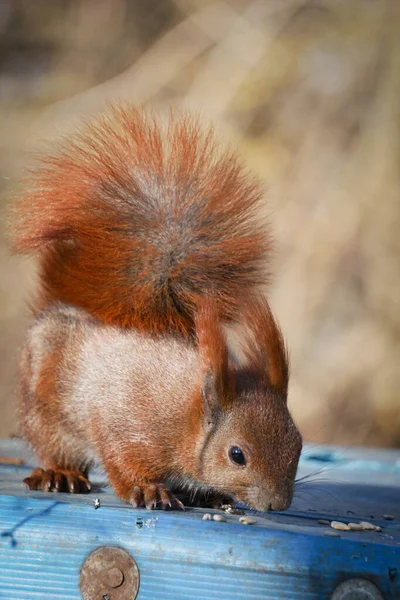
<point x="136" y="221"/>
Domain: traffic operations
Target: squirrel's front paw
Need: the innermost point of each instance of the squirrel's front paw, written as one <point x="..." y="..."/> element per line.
<point x="58" y="480"/>
<point x="154" y="495"/>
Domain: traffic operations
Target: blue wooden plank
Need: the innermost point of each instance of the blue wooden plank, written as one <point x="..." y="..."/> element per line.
<point x="45" y="538"/>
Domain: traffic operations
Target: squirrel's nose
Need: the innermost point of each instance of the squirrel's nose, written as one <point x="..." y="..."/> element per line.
<point x="273" y="502"/>
<point x="280" y="499"/>
<point x="280" y="503"/>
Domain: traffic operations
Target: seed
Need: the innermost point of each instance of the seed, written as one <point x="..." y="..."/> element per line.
<point x="339" y="525"/>
<point x="377" y="528"/>
<point x="355" y="527"/>
<point x="219" y="518"/>
<point x="388" y="517"/>
<point x="96" y="503"/>
<point x="324" y="522"/>
<point x="367" y="526"/>
<point x="247" y="520"/>
<point x="207" y="517"/>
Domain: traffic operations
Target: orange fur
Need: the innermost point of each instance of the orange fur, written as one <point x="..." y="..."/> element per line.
<point x="149" y="242"/>
<point x="211" y="341"/>
<point x="135" y="222"/>
<point x="162" y="413"/>
<point x="264" y="345"/>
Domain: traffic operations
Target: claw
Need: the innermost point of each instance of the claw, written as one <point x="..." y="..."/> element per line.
<point x="153" y="496"/>
<point x="61" y="480"/>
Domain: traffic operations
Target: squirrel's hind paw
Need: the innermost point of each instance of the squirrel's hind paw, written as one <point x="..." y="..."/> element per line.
<point x="58" y="480"/>
<point x="154" y="495"/>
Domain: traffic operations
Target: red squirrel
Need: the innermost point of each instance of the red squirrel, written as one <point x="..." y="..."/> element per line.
<point x="149" y="244"/>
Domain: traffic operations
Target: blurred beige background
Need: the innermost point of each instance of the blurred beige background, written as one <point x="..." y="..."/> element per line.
<point x="309" y="92"/>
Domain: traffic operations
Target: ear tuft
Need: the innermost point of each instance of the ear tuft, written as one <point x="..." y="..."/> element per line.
<point x="210" y="335"/>
<point x="213" y="351"/>
<point x="265" y="347"/>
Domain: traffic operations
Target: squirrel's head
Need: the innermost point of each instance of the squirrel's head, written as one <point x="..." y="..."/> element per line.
<point x="250" y="446"/>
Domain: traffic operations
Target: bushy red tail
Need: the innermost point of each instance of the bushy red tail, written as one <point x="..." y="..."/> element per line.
<point x="135" y="222"/>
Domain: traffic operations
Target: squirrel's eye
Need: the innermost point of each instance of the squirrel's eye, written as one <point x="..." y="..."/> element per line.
<point x="237" y="456"/>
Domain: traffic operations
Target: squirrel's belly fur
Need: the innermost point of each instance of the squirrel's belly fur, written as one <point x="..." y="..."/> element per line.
<point x="82" y="368"/>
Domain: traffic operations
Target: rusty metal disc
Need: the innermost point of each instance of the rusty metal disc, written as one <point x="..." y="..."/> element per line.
<point x="109" y="573"/>
<point x="357" y="589"/>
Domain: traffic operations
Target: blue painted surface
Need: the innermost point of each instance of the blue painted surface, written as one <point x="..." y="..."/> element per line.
<point x="45" y="537"/>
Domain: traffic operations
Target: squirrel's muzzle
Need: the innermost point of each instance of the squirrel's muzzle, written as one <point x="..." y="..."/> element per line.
<point x="266" y="500"/>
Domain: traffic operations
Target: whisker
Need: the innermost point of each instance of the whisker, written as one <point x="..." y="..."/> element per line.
<point x="312" y="474"/>
<point x="307" y="450"/>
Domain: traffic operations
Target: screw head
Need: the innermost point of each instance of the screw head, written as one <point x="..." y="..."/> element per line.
<point x="115" y="577"/>
<point x="357" y="589"/>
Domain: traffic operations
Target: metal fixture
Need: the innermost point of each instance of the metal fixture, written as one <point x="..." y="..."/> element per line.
<point x="109" y="573"/>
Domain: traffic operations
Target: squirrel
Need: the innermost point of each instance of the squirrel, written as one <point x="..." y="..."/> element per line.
<point x="149" y="246"/>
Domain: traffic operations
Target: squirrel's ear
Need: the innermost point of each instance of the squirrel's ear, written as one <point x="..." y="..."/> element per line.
<point x="210" y="398"/>
<point x="265" y="347"/>
<point x="213" y="351"/>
